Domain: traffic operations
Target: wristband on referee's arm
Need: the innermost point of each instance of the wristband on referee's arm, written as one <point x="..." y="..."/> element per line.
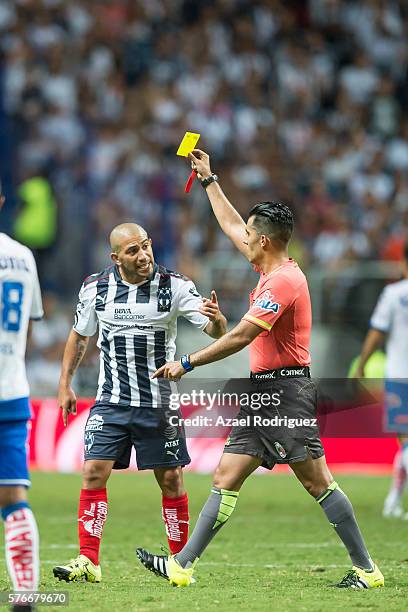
<point x="185" y="362"/>
<point x="213" y="178"/>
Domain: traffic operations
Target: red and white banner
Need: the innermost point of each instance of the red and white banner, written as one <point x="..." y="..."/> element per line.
<point x="54" y="447"/>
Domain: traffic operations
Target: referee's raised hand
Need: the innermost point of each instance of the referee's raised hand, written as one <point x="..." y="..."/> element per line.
<point x="200" y="163"/>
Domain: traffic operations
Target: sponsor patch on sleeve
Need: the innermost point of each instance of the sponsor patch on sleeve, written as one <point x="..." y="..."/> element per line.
<point x="266" y="302"/>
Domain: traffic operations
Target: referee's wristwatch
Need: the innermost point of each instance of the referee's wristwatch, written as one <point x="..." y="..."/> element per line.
<point x="185" y="362"/>
<point x="213" y="178"/>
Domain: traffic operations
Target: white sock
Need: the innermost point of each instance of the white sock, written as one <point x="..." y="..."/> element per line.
<point x="22" y="544"/>
<point x="404" y="458"/>
<point x="399" y="479"/>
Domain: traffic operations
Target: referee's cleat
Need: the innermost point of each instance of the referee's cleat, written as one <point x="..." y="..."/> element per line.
<point x="23" y="608"/>
<point x="358" y="578"/>
<point x="78" y="569"/>
<point x="166" y="567"/>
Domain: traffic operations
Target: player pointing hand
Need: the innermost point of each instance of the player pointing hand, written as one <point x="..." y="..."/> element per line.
<point x="174" y="370"/>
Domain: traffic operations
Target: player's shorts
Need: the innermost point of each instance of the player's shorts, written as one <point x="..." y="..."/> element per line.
<point x="285" y="431"/>
<point x="112" y="430"/>
<point x="396" y="406"/>
<point x="13" y="453"/>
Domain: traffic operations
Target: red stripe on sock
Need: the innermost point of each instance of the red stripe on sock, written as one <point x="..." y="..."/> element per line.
<point x="176" y="519"/>
<point x="92" y="514"/>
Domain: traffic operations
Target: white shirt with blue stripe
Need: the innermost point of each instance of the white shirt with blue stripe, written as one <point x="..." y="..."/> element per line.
<point x="20" y="301"/>
<point x="391" y="317"/>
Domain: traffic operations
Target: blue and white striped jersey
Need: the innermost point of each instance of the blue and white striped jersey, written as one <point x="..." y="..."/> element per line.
<point x="137" y="330"/>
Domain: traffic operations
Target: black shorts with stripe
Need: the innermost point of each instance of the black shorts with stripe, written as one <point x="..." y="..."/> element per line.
<point x="113" y="429"/>
<point x="286" y="430"/>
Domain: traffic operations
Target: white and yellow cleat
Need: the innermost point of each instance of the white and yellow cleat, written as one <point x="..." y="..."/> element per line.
<point x="78" y="569"/>
<point x="358" y="578"/>
<point x="166" y="567"/>
<point x="179" y="576"/>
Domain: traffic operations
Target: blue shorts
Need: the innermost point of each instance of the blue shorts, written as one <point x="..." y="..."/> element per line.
<point x="396" y="406"/>
<point x="13" y="454"/>
<point x="111" y="431"/>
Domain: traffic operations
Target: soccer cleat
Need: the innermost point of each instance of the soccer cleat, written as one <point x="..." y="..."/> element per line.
<point x="395" y="511"/>
<point x="358" y="578"/>
<point x="166" y="567"/>
<point x="78" y="569"/>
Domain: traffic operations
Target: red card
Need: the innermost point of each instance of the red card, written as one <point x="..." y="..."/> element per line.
<point x="190" y="181"/>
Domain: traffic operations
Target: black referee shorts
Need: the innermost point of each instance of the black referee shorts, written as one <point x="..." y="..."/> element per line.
<point x="286" y="430"/>
<point x="112" y="429"/>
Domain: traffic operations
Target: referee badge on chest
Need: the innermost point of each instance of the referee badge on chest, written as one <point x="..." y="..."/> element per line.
<point x="164" y="299"/>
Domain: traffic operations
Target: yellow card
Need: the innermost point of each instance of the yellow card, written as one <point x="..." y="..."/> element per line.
<point x="188" y="144"/>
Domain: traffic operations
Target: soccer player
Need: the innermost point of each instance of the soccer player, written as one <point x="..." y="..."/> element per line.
<point x="20" y="301"/>
<point x="135" y="303"/>
<point x="277" y="329"/>
<point x="390" y="318"/>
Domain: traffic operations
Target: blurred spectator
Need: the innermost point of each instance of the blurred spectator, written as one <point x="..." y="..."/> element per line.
<point x="304" y="101"/>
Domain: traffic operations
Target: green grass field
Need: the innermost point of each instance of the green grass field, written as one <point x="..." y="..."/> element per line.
<point x="277" y="551"/>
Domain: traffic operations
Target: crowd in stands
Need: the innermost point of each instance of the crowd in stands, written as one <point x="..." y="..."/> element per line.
<point x="305" y="101"/>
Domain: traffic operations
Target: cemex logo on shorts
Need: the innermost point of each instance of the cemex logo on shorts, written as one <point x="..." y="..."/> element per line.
<point x="280" y="373"/>
<point x="292" y="371"/>
<point x="94" y="423"/>
<point x="265" y="301"/>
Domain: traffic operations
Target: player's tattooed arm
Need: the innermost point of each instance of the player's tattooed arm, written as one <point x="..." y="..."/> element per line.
<point x="75" y="349"/>
<point x="80" y="349"/>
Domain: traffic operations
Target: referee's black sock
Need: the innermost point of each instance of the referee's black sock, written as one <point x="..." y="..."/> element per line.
<point x="215" y="513"/>
<point x="338" y="509"/>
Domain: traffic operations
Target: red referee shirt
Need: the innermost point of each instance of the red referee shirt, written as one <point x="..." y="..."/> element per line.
<point x="280" y="305"/>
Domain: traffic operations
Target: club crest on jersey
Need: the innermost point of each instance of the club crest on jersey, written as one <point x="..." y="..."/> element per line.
<point x="266" y="302"/>
<point x="280" y="450"/>
<point x="164" y="296"/>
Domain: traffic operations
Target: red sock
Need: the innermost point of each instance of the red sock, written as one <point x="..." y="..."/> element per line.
<point x="92" y="513"/>
<point x="176" y="519"/>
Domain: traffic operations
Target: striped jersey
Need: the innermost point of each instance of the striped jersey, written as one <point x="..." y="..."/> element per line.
<point x="137" y="330"/>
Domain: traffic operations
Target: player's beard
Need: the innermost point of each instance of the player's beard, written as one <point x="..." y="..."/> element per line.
<point x="136" y="274"/>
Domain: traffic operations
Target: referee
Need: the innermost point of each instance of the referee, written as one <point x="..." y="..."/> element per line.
<point x="277" y="327"/>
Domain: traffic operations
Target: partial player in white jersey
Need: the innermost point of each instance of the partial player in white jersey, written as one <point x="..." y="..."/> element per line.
<point x="134" y="304"/>
<point x="389" y="324"/>
<point x="20" y="301"/>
